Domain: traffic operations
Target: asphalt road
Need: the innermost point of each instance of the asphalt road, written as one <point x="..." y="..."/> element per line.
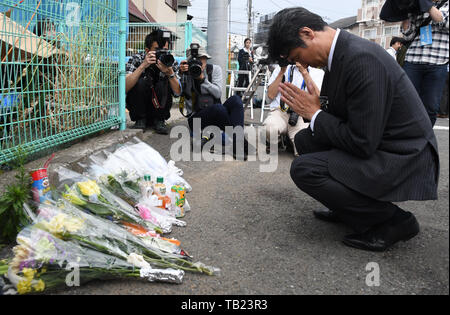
<point x="258" y="228"/>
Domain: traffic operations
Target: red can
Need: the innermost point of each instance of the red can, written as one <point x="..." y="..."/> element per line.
<point x="40" y="186"/>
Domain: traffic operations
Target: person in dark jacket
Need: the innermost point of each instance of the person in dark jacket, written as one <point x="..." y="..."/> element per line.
<point x="370" y="141"/>
<point x="150" y="85"/>
<point x="245" y="59"/>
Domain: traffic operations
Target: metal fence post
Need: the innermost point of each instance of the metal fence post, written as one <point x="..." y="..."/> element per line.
<point x="122" y="54"/>
<point x="188" y="37"/>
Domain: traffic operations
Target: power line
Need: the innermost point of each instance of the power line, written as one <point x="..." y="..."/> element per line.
<point x="275" y="4"/>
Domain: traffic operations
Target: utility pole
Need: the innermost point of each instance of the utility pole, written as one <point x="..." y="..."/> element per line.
<point x="250" y="24"/>
<point x="217" y="37"/>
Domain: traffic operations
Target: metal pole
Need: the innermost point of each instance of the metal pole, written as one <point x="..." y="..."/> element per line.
<point x="123" y="7"/>
<point x="217" y="37"/>
<point x="250" y="25"/>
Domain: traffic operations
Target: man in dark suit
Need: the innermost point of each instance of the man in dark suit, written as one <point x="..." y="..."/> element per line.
<point x="370" y="142"/>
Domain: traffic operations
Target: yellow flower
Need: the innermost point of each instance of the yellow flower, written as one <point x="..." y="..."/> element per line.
<point x="73" y="224"/>
<point x="23" y="287"/>
<point x="39" y="286"/>
<point x="61" y="224"/>
<point x="89" y="188"/>
<point x="29" y="273"/>
<point x="21" y="253"/>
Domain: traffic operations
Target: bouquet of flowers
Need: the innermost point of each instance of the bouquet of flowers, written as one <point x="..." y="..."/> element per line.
<point x="126" y="186"/>
<point x="94" y="197"/>
<point x="124" y="183"/>
<point x="71" y="224"/>
<point x="42" y="261"/>
<point x="145" y="160"/>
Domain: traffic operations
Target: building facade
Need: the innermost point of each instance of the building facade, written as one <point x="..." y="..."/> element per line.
<point x="372" y="28"/>
<point x="365" y="24"/>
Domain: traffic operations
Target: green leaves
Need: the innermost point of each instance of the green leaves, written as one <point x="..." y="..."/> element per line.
<point x="12" y="216"/>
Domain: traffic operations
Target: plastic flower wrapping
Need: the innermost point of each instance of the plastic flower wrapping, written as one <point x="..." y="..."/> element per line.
<point x="92" y="196"/>
<point x="43" y="261"/>
<point x="105" y="223"/>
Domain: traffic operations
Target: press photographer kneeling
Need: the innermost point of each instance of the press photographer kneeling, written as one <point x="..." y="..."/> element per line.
<point x="202" y="90"/>
<point x="151" y="82"/>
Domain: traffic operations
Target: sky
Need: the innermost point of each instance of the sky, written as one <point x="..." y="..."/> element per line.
<point x="330" y="10"/>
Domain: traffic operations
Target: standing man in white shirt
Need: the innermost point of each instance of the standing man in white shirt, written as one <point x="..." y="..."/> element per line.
<point x="396" y="44"/>
<point x="280" y="120"/>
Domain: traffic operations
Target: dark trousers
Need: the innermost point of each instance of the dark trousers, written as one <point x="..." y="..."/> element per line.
<point x="444" y="101"/>
<point x="231" y="113"/>
<point x="311" y="174"/>
<point x="140" y="106"/>
<point x="243" y="81"/>
<point x="429" y="81"/>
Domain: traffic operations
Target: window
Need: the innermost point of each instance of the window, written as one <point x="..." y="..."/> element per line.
<point x="391" y="31"/>
<point x="372" y="3"/>
<point x="173" y="4"/>
<point x="370" y="34"/>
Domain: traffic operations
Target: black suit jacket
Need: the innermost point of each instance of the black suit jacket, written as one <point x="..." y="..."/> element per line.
<point x="244" y="63"/>
<point x="381" y="139"/>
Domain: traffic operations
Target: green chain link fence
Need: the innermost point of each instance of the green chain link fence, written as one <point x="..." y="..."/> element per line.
<point x="60" y="71"/>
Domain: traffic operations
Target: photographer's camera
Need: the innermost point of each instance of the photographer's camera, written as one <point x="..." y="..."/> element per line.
<point x="195" y="64"/>
<point x="165" y="57"/>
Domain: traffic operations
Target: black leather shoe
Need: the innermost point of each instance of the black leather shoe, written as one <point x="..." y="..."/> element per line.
<point x="327" y="215"/>
<point x="160" y="127"/>
<point x="382" y="237"/>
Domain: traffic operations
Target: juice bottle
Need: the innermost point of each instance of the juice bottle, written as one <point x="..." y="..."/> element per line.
<point x="160" y="191"/>
<point x="159" y="188"/>
<point x="147" y="187"/>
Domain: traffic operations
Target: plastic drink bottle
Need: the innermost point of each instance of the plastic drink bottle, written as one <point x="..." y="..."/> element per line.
<point x="147" y="187"/>
<point x="160" y="191"/>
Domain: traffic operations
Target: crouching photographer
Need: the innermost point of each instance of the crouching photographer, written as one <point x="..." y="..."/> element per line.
<point x="282" y="120"/>
<point x="202" y="90"/>
<point x="151" y="83"/>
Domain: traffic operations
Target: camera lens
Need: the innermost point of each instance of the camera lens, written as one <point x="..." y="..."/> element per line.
<point x="195" y="71"/>
<point x="195" y="68"/>
<point x="293" y="119"/>
<point x="167" y="59"/>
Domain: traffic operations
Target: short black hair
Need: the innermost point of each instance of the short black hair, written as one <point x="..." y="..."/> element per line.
<point x="159" y="36"/>
<point x="397" y="40"/>
<point x="283" y="34"/>
<point x="247" y="40"/>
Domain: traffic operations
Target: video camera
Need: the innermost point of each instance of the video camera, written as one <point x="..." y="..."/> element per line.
<point x="195" y="64"/>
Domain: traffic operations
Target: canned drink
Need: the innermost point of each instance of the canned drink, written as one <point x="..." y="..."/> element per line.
<point x="40" y="186"/>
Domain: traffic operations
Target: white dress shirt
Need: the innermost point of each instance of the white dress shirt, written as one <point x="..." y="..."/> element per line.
<point x="391" y="51"/>
<point x="297" y="80"/>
